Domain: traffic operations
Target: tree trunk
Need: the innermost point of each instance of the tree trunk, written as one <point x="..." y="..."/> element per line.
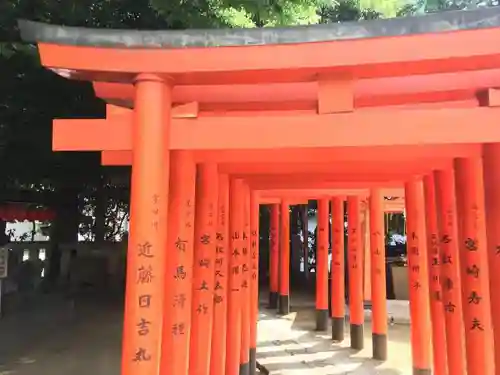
<point x="100" y="211"/>
<point x="64" y="229"/>
<point x="304" y="223"/>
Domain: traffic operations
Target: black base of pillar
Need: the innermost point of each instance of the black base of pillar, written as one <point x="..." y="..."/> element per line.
<point x="262" y="369"/>
<point x="338" y="329"/>
<point x="379" y="342"/>
<point x="322" y="320"/>
<point x="253" y="361"/>
<point x="273" y="300"/>
<point x="422" y="371"/>
<point x="284" y="305"/>
<point x="357" y="337"/>
<point x="244" y="369"/>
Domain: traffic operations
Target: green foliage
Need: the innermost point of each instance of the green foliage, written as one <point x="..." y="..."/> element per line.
<point x="30" y="96"/>
<point x="432" y="6"/>
<point x="241" y="13"/>
<point x="386" y="8"/>
<point x="346" y="10"/>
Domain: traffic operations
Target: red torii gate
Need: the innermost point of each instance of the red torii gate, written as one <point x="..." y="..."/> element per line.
<point x="283" y="99"/>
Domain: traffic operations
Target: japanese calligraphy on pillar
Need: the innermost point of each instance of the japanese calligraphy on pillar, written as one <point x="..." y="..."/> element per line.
<point x="245" y="265"/>
<point x="472" y="285"/>
<point x="180" y="299"/>
<point x="322" y="232"/>
<point x="155" y="210"/>
<point x="145" y="275"/>
<point x="353" y="246"/>
<point x="203" y="264"/>
<point x="336" y="255"/>
<point x="255" y="256"/>
<point x="377" y="253"/>
<point x="449" y="268"/>
<point x="337" y="234"/>
<point x="415" y="261"/>
<point x="273" y="253"/>
<point x="220" y="261"/>
<point x="435" y="282"/>
<point x="236" y="259"/>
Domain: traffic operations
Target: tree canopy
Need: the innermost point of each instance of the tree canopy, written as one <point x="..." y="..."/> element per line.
<point x="30" y="96"/>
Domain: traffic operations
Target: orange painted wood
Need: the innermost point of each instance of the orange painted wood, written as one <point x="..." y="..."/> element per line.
<point x="323" y="243"/>
<point x="365" y="240"/>
<point x="325" y="170"/>
<point x="440" y="87"/>
<point x="418" y="277"/>
<point x="184" y="110"/>
<point x="360" y="128"/>
<point x="493" y="97"/>
<point x="450" y="270"/>
<point x="292" y="194"/>
<point x="448" y="89"/>
<point x="254" y="253"/>
<point x="441" y="99"/>
<point x="221" y="267"/>
<point x="335" y="94"/>
<point x="304" y="181"/>
<point x="284" y="251"/>
<point x="275" y="197"/>
<point x="233" y="343"/>
<point x="491" y="172"/>
<point x="405" y="55"/>
<point x="205" y="244"/>
<point x="187" y="110"/>
<point x="406" y="153"/>
<point x="274" y="248"/>
<point x="246" y="279"/>
<point x="146" y="256"/>
<point x="336" y="189"/>
<point x="377" y="268"/>
<point x="321" y="186"/>
<point x="277" y="200"/>
<point x="338" y="261"/>
<point x="439" y="352"/>
<point x="177" y="324"/>
<point x="398" y="102"/>
<point x="479" y="344"/>
<point x="355" y="264"/>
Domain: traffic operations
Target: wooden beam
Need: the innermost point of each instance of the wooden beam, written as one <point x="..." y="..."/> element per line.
<point x="459" y="98"/>
<point x="383" y="154"/>
<point x="277" y="200"/>
<point x="322" y="185"/>
<point x="360" y="128"/>
<point x="335" y="94"/>
<point x="326" y="170"/>
<point x="332" y="170"/>
<point x="396" y="205"/>
<point x="186" y="110"/>
<point x="366" y="92"/>
<point x="341" y="189"/>
<point x="397" y="177"/>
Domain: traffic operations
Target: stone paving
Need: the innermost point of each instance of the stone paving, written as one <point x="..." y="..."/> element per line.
<point x="50" y="337"/>
<point x="289" y="345"/>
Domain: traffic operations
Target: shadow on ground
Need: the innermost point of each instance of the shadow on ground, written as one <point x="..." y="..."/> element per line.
<point x="52" y="337"/>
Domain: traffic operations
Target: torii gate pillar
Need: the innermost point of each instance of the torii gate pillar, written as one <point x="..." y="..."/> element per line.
<point x="146" y="262"/>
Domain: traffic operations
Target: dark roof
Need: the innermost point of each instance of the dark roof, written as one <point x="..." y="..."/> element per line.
<point x="431" y="23"/>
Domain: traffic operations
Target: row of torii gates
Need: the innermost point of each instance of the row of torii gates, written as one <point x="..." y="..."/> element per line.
<point x="215" y="123"/>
